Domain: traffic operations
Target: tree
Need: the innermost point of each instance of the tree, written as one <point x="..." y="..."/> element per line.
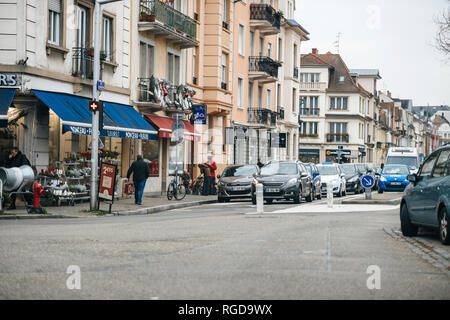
<point x="443" y="35"/>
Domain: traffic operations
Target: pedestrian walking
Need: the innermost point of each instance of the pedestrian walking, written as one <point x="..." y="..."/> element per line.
<point x="141" y="172"/>
<point x="212" y="180"/>
<point x="15" y="159"/>
<point x="206" y="172"/>
<point x="259" y="163"/>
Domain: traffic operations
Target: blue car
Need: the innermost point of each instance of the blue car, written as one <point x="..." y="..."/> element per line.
<point x="317" y="180"/>
<point x="393" y="178"/>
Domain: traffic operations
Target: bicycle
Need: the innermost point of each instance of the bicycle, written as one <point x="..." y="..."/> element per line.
<point x="176" y="189"/>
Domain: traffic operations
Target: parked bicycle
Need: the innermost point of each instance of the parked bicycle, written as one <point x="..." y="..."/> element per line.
<point x="176" y="188"/>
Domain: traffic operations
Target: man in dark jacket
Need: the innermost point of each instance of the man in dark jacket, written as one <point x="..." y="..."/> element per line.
<point x="16" y="159"/>
<point x="141" y="172"/>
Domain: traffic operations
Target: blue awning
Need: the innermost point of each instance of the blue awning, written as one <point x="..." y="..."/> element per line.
<point x="119" y="121"/>
<point x="6" y="97"/>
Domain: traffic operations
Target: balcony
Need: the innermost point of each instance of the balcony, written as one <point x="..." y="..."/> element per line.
<point x="309" y="111"/>
<point x="265" y="18"/>
<point x="337" y="137"/>
<point x="309" y="135"/>
<point x="295" y="75"/>
<point x="82" y="63"/>
<point x="163" y="21"/>
<point x="313" y="86"/>
<point x="263" y="69"/>
<point x="263" y="117"/>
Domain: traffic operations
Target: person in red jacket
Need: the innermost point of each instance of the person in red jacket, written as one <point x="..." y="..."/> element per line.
<point x="212" y="168"/>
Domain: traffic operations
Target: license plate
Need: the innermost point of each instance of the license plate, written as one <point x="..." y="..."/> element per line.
<point x="240" y="188"/>
<point x="272" y="190"/>
<point x="396" y="183"/>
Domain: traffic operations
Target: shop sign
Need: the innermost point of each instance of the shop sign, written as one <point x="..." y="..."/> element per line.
<point x="9" y="80"/>
<point x="107" y="181"/>
<point x="108" y="133"/>
<point x="200" y="114"/>
<point x="309" y="152"/>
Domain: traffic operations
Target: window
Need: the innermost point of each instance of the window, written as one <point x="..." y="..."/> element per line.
<point x="441" y="169"/>
<point x="147" y="53"/>
<point x="269" y="98"/>
<point x="107" y="39"/>
<point x="314" y="77"/>
<point x="225" y="14"/>
<point x="224" y="71"/>
<point x="294" y="58"/>
<point x="279" y="51"/>
<point x="252" y="43"/>
<point x="261" y="46"/>
<point x="83" y="27"/>
<point x="294" y="99"/>
<point x="269" y="49"/>
<point x="240" y="95"/>
<point x="340" y="103"/>
<point x="338" y="132"/>
<point x="260" y="96"/>
<point x="341" y="79"/>
<point x="241" y="40"/>
<point x="173" y="67"/>
<point x="313" y="128"/>
<point x="303" y="128"/>
<point x="194" y="64"/>
<point x="250" y="94"/>
<point x="196" y="5"/>
<point x="427" y="166"/>
<point x="150" y="152"/>
<point x="55" y="22"/>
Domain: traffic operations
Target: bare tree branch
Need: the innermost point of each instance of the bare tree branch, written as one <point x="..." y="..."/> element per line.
<point x="443" y="36"/>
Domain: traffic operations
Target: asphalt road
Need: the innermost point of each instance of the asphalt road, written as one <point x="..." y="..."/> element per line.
<point x="216" y="252"/>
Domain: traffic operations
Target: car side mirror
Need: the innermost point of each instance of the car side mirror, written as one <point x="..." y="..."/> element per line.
<point x="218" y="176"/>
<point x="342" y="175"/>
<point x="377" y="173"/>
<point x="303" y="174"/>
<point x="412" y="178"/>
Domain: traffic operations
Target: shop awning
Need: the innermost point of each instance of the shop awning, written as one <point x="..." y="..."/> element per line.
<point x="164" y="126"/>
<point x="120" y="121"/>
<point x="6" y="97"/>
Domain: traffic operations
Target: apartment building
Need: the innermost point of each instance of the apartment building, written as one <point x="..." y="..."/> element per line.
<point x="335" y="110"/>
<point x="47" y="47"/>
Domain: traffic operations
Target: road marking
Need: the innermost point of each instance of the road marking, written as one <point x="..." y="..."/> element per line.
<point x="329" y="250"/>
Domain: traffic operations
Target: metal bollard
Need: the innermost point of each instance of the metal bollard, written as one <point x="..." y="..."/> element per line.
<point x="368" y="194"/>
<point x="259" y="198"/>
<point x="330" y="195"/>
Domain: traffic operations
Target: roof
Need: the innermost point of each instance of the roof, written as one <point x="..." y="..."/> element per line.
<point x="338" y="69"/>
<point x="295" y="24"/>
<point x="366" y="72"/>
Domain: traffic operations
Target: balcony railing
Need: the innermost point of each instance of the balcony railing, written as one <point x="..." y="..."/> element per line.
<point x="262" y="116"/>
<point x="171" y="20"/>
<point x="265" y="18"/>
<point x="261" y="68"/>
<point x="145" y="92"/>
<point x="337" y="137"/>
<point x="309" y="111"/>
<point x="312" y="86"/>
<point x="295" y="75"/>
<point x="82" y="63"/>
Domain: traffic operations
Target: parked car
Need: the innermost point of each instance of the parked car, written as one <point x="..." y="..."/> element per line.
<point x="352" y="177"/>
<point x="330" y="172"/>
<point x="376" y="173"/>
<point x="235" y="182"/>
<point x="362" y="167"/>
<point x="317" y="179"/>
<point x="426" y="201"/>
<point x="284" y="180"/>
<point x="393" y="178"/>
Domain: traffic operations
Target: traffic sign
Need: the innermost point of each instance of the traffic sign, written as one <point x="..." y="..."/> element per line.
<point x="100" y="85"/>
<point x="368" y="181"/>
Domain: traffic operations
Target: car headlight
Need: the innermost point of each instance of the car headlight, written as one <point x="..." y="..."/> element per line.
<point x="291" y="182"/>
<point x="222" y="184"/>
<point x="383" y="179"/>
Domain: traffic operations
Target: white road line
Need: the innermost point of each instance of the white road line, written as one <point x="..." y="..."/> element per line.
<point x="329" y="250"/>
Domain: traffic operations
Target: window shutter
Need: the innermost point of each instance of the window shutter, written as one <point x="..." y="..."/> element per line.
<point x="55" y="5"/>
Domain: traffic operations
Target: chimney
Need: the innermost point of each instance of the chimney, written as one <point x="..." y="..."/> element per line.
<point x="315" y="51"/>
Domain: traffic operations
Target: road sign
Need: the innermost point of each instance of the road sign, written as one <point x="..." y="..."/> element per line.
<point x="100" y="85"/>
<point x="199" y="114"/>
<point x="368" y="181"/>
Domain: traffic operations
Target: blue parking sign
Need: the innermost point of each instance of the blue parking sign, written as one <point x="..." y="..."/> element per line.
<point x="200" y="113"/>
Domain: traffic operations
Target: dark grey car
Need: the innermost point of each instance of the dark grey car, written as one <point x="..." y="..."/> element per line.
<point x="284" y="180"/>
<point x="235" y="182"/>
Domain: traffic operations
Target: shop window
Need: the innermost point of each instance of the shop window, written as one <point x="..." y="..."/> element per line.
<point x="150" y="152"/>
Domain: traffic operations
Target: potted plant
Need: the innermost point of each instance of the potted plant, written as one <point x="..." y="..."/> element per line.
<point x="103" y="55"/>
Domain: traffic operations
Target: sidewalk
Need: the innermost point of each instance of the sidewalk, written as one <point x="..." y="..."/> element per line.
<point x="388" y="198"/>
<point x="121" y="207"/>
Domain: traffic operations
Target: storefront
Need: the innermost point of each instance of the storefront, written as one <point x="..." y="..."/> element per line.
<point x="331" y="155"/>
<point x="309" y="155"/>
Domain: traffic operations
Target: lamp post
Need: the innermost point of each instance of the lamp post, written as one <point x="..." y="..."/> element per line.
<point x="95" y="115"/>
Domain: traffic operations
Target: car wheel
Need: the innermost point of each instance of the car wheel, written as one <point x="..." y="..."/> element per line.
<point x="298" y="197"/>
<point x="319" y="196"/>
<point x="380" y="191"/>
<point x="408" y="229"/>
<point x="220" y="199"/>
<point x="339" y="194"/>
<point x="444" y="226"/>
<point x="344" y="192"/>
<point x="269" y="201"/>
<point x="227" y="199"/>
<point x="310" y="197"/>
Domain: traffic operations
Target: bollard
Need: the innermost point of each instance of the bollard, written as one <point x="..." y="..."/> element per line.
<point x="330" y="195"/>
<point x="368" y="194"/>
<point x="259" y="198"/>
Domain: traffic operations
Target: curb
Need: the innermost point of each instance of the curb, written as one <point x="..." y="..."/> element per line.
<point x="35" y="216"/>
<point x="391" y="202"/>
<point x="163" y="208"/>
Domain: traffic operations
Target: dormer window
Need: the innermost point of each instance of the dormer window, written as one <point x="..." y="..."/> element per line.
<point x="341" y="79"/>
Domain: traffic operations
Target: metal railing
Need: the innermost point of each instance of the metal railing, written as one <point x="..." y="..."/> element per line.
<point x="265" y="12"/>
<point x="309" y="111"/>
<point x="337" y="137"/>
<point x="82" y="63"/>
<point x="264" y="64"/>
<point x="152" y="10"/>
<point x="145" y="93"/>
<point x="262" y="116"/>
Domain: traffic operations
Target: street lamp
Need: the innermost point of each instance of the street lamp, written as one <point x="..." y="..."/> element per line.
<point x="95" y="115"/>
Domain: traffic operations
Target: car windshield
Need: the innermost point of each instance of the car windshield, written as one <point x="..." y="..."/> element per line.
<point x="396" y="170"/>
<point x="279" y="169"/>
<point x="309" y="168"/>
<point x="361" y="167"/>
<point x="349" y="169"/>
<point x="327" y="170"/>
<point x="244" y="171"/>
<point x="411" y="162"/>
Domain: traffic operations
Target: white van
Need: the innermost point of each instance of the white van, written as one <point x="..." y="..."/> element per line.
<point x="404" y="155"/>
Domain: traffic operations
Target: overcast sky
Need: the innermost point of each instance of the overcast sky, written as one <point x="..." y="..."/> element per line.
<point x="394" y="36"/>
